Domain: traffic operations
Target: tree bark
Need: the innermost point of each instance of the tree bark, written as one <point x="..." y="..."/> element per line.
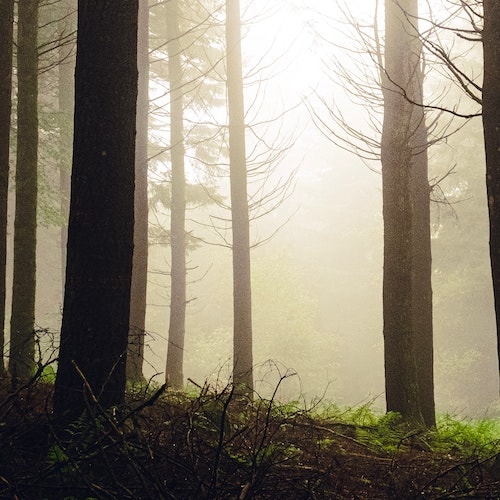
<point x="96" y="309"/>
<point x="422" y="255"/>
<point x="177" y="325"/>
<point x="402" y="392"/>
<point x="491" y="126"/>
<point x="137" y="333"/>
<point x="22" y="323"/>
<point x="6" y="42"/>
<point x="242" y="296"/>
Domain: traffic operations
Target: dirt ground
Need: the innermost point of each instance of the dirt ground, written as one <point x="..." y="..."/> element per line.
<point x="211" y="447"/>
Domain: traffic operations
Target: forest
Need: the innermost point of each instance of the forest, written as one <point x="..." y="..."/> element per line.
<point x="249" y="249"/>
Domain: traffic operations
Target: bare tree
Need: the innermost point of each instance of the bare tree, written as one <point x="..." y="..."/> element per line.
<point x="135" y="353"/>
<point x="242" y="294"/>
<point x="22" y="323"/>
<point x="66" y="70"/>
<point x="491" y="126"/>
<point x="469" y="23"/>
<point x="177" y="326"/>
<point x="6" y="42"/>
<point x="205" y="147"/>
<point x="393" y="90"/>
<point x="399" y="170"/>
<point x="193" y="38"/>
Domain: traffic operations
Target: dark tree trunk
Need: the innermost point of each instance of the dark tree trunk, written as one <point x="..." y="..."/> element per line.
<point x="177" y="326"/>
<point x="96" y="309"/>
<point x="402" y="394"/>
<point x="22" y="323"/>
<point x="242" y="296"/>
<point x="135" y="354"/>
<point x="6" y="43"/>
<point x="491" y="125"/>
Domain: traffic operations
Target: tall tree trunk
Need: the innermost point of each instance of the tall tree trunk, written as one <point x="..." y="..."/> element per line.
<point x="6" y="42"/>
<point x="22" y="324"/>
<point x="402" y="394"/>
<point x="422" y="255"/>
<point x="96" y="309"/>
<point x="137" y="333"/>
<point x="177" y="326"/>
<point x="66" y="69"/>
<point x="491" y="126"/>
<point x="242" y="296"/>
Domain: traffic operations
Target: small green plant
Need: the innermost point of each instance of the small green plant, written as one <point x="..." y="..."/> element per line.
<point x="275" y="453"/>
<point x="48" y="375"/>
<point x="58" y="458"/>
<point x="324" y="443"/>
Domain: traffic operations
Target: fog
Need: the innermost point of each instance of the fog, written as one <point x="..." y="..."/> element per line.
<point x="317" y="283"/>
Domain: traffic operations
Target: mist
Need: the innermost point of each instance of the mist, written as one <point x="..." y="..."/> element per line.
<point x="318" y="258"/>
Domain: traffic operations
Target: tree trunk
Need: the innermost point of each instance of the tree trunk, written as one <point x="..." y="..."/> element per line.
<point x="6" y="42"/>
<point x="242" y="297"/>
<point x="96" y="309"/>
<point x="422" y="256"/>
<point x="176" y="331"/>
<point x="402" y="394"/>
<point x="137" y="333"/>
<point x="491" y="126"/>
<point x="66" y="69"/>
<point x="22" y="324"/>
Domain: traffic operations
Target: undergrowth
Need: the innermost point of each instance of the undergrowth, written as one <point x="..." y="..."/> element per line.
<point x="210" y="443"/>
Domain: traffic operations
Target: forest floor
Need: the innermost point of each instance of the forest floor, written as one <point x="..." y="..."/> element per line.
<point x="214" y="445"/>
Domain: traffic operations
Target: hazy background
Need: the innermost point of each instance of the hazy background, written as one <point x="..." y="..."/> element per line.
<point x="317" y="284"/>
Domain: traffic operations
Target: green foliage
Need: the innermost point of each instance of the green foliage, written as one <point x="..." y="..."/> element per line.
<point x="389" y="434"/>
<point x="276" y="453"/>
<point x="325" y="442"/>
<point x="386" y="433"/>
<point x="58" y="458"/>
<point x="466" y="438"/>
<point x="362" y="415"/>
<point x="48" y="374"/>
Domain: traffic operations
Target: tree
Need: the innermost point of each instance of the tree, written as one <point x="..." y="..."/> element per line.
<point x="399" y="168"/>
<point x="135" y="354"/>
<point x="6" y="42"/>
<point x="22" y="323"/>
<point x="193" y="49"/>
<point x="204" y="145"/>
<point x="397" y="84"/>
<point x="177" y="325"/>
<point x="96" y="308"/>
<point x="420" y="190"/>
<point x="183" y="46"/>
<point x="66" y="68"/>
<point x="491" y="126"/>
<point x="481" y="18"/>
<point x="422" y="309"/>
<point x="242" y="296"/>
